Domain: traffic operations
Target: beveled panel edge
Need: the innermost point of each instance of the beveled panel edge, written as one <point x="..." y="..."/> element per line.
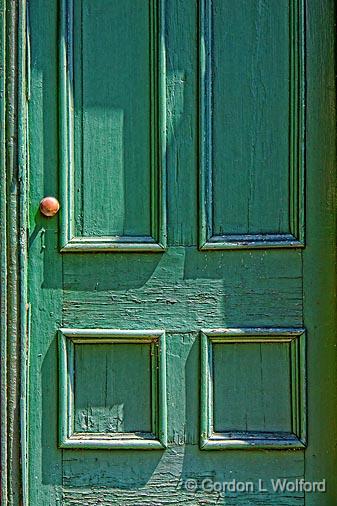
<point x="80" y="244"/>
<point x="262" y="441"/>
<point x="116" y="444"/>
<point x="67" y="338"/>
<point x="296" y="337"/>
<point x="296" y="236"/>
<point x="252" y="241"/>
<point x="158" y="240"/>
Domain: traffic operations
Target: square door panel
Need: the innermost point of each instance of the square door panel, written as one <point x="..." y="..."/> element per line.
<point x="253" y="388"/>
<point x="112" y="388"/>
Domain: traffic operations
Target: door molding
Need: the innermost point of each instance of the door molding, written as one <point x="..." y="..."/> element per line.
<point x="210" y="239"/>
<point x="13" y="236"/>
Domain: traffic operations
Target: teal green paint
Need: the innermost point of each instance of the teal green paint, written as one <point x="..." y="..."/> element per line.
<point x="23" y="166"/>
<point x="319" y="290"/>
<point x="241" y="129"/>
<point x="13" y="197"/>
<point x="105" y="150"/>
<point x="3" y="256"/>
<point x="113" y="400"/>
<point x="13" y="281"/>
<point x="45" y="270"/>
<point x="252" y="436"/>
<point x="182" y="291"/>
<point x="258" y="373"/>
<point x="69" y="436"/>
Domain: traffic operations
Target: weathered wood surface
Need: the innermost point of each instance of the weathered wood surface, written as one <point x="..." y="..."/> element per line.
<point x="184" y="290"/>
<point x="13" y="252"/>
<point x="162" y="480"/>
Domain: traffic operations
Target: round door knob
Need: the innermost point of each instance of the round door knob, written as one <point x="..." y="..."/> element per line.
<point x="49" y="206"/>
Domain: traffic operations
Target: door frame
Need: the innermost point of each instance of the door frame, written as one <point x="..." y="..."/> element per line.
<point x="14" y="164"/>
<point x="14" y="309"/>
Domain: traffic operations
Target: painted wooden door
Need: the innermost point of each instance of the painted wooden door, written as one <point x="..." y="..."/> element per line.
<point x="183" y="330"/>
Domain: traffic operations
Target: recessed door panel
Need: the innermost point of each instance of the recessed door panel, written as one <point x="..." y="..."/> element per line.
<point x="251" y="124"/>
<point x="112" y="125"/>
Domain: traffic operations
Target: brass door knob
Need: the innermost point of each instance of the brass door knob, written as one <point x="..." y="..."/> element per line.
<point x="49" y="206"/>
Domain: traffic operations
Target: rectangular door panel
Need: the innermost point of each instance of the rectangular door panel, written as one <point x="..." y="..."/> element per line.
<point x="112" y="125"/>
<point x="251" y="124"/>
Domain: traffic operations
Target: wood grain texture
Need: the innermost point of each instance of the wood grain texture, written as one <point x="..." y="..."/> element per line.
<point x="112" y="125"/>
<point x="238" y="382"/>
<point x="111" y="400"/>
<point x="13" y="305"/>
<point x="45" y="265"/>
<point x="165" y="478"/>
<point x="3" y="256"/>
<point x="319" y="258"/>
<point x="251" y="125"/>
<point x="182" y="290"/>
<point x="122" y="401"/>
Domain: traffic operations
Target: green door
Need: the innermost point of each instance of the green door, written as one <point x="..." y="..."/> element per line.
<point x="183" y="333"/>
